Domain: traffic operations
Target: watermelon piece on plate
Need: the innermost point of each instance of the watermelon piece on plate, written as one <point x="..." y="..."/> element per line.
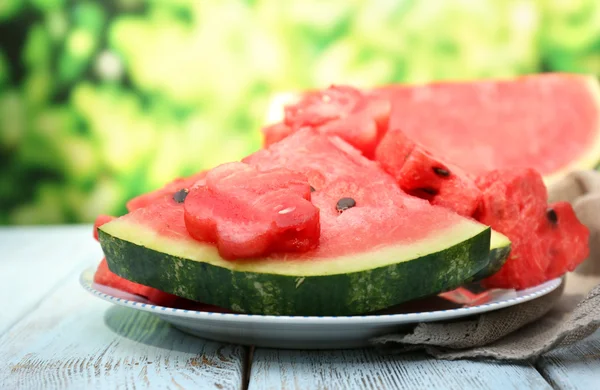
<point x="549" y="122"/>
<point x="421" y="174"/>
<point x="377" y="247"/>
<point x="104" y="276"/>
<point x="547" y="241"/>
<point x="358" y="118"/>
<point x="566" y="251"/>
<point x="247" y="213"/>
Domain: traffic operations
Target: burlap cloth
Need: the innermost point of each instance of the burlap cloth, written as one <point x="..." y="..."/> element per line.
<point x="528" y="330"/>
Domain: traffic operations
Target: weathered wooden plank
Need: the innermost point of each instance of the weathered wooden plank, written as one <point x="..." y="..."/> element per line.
<point x="576" y="367"/>
<point x="34" y="260"/>
<point x="73" y="340"/>
<point x="366" y="369"/>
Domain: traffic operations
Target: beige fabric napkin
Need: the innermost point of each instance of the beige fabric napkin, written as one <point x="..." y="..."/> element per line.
<point x="528" y="330"/>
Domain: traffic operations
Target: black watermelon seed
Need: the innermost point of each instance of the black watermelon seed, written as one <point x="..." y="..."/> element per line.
<point x="428" y="190"/>
<point x="345" y="204"/>
<point x="180" y="195"/>
<point x="441" y="172"/>
<point x="312" y="189"/>
<point x="552" y="216"/>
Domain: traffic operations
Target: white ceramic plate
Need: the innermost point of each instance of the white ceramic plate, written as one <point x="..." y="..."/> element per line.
<point x="299" y="332"/>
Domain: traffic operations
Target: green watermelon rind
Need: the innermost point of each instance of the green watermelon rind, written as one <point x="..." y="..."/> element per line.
<point x="370" y="289"/>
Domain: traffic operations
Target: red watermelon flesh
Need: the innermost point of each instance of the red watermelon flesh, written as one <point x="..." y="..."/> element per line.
<point x="567" y="250"/>
<point x="169" y="189"/>
<point x="544" y="121"/>
<point x="421" y="174"/>
<point x="105" y="277"/>
<point x="335" y="170"/>
<point x="247" y="213"/>
<point x="360" y="119"/>
<point x="275" y="133"/>
<point x="547" y="241"/>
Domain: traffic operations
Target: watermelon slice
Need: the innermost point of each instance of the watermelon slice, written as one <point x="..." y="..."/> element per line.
<point x="377" y="245"/>
<point x="547" y="241"/>
<point x="548" y="122"/>
<point x="421" y="174"/>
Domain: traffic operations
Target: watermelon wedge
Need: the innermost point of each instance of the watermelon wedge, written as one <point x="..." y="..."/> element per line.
<point x="549" y="122"/>
<point x="547" y="240"/>
<point x="426" y="176"/>
<point x="377" y="246"/>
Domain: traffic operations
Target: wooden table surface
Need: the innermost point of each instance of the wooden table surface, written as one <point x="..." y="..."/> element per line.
<point x="54" y="334"/>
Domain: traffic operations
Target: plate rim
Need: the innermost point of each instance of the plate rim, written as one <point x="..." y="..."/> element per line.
<point x="86" y="281"/>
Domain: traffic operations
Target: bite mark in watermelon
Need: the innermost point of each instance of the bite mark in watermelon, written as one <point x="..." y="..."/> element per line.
<point x="547" y="240"/>
<point x="247" y="213"/>
<point x="374" y="255"/>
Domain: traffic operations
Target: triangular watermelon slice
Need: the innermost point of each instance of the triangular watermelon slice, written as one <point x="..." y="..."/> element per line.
<point x="377" y="246"/>
<point x="549" y="122"/>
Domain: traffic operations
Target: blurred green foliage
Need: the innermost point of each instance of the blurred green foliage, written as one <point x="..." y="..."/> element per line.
<point x="101" y="101"/>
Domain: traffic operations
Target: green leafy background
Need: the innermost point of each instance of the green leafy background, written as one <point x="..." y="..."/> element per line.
<point x="104" y="100"/>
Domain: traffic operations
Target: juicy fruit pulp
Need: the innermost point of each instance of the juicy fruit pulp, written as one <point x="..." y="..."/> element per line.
<point x="421" y="174"/>
<point x="548" y="122"/>
<point x="368" y="257"/>
<point x="360" y="119"/>
<point x="248" y="213"/>
<point x="168" y="190"/>
<point x="515" y="203"/>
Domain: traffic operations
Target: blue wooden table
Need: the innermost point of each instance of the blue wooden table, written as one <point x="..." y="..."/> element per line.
<point x="53" y="334"/>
